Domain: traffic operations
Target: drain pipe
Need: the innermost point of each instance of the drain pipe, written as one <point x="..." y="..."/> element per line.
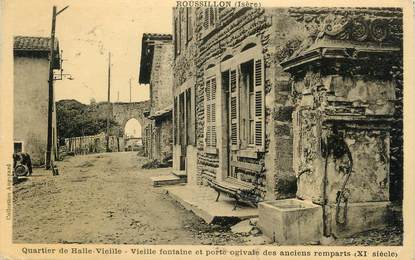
<point x="326" y="222"/>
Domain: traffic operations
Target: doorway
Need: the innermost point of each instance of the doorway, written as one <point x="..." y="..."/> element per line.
<point x="226" y="154"/>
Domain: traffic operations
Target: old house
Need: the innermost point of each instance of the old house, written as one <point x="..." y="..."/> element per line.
<point x="250" y="86"/>
<point x="31" y="96"/>
<point x="155" y="70"/>
<point x="185" y="153"/>
<point x="225" y="62"/>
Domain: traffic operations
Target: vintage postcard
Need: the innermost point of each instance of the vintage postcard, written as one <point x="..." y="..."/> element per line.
<point x="206" y="129"/>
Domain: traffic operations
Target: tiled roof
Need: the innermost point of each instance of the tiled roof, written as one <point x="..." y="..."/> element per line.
<point x="157" y="36"/>
<point x="29" y="43"/>
<point x="161" y="112"/>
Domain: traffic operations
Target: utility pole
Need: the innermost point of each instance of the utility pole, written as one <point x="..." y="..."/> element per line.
<point x="109" y="104"/>
<point x="48" y="162"/>
<point x="130" y="90"/>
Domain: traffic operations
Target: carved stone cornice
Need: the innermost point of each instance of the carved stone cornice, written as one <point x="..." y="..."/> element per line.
<point x="349" y="33"/>
<point x="355" y="24"/>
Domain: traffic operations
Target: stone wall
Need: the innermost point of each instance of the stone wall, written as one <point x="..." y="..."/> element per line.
<point x="163" y="138"/>
<point x="184" y="67"/>
<point x="161" y="77"/>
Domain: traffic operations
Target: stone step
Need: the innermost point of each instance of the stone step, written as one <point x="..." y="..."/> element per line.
<point x="180" y="174"/>
<point x="164" y="180"/>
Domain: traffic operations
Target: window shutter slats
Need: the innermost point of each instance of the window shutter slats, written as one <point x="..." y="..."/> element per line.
<point x="213" y="88"/>
<point x="211" y="16"/>
<point x="208" y="134"/>
<point x="259" y="104"/>
<point x="213" y="111"/>
<point x="234" y="108"/>
<point x="207" y="112"/>
<point x="207" y="90"/>
<point x="210" y="116"/>
<point x="206" y="18"/>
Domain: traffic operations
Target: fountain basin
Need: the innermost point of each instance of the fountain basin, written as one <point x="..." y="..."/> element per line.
<point x="291" y="221"/>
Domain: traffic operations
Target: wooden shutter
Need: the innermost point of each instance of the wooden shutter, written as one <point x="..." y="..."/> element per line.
<point x="208" y="114"/>
<point x="259" y="104"/>
<point x="175" y="125"/>
<point x="213" y="111"/>
<point x="234" y="108"/>
<point x="211" y="16"/>
<point x="206" y="18"/>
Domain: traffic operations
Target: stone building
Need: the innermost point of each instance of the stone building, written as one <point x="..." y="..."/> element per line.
<point x="266" y="101"/>
<point x="240" y="117"/>
<point x="155" y="69"/>
<point x="185" y="152"/>
<point x="31" y="75"/>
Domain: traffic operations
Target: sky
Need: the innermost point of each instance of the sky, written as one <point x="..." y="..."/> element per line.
<point x="87" y="32"/>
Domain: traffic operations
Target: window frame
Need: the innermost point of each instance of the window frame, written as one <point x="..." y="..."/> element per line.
<point x="212" y="20"/>
<point x="22" y="145"/>
<point x="238" y="58"/>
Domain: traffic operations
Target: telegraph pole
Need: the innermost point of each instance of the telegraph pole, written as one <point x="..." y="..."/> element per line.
<point x="130" y="90"/>
<point x="109" y="104"/>
<point x="48" y="162"/>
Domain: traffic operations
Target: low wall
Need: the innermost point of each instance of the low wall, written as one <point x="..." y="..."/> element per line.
<point x="93" y="144"/>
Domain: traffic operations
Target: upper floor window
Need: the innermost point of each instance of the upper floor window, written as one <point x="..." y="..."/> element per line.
<point x="189" y="24"/>
<point x="183" y="28"/>
<point x="210" y="17"/>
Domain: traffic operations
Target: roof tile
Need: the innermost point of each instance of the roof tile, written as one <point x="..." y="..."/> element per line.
<point x="29" y="43"/>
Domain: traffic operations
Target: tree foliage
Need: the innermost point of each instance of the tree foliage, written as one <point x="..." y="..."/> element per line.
<point x="76" y="119"/>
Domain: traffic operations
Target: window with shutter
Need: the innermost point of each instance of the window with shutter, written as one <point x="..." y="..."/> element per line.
<point x="259" y="104"/>
<point x="206" y="18"/>
<point x="207" y="113"/>
<point x="210" y="17"/>
<point x="210" y="112"/>
<point x="213" y="112"/>
<point x="234" y="108"/>
<point x="175" y="121"/>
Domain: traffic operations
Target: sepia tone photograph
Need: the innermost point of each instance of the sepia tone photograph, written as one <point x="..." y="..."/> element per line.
<point x="219" y="124"/>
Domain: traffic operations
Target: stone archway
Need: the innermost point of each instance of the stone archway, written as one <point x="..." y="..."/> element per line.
<point x="133" y="128"/>
<point x="122" y="112"/>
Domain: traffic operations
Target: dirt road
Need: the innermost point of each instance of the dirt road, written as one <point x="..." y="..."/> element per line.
<point x="105" y="198"/>
<point x="108" y="199"/>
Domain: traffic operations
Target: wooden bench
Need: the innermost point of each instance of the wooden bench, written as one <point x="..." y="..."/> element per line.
<point x="235" y="190"/>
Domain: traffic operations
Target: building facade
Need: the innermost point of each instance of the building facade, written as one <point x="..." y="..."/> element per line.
<point x="250" y="87"/>
<point x="185" y="152"/>
<point x="31" y="96"/>
<point x="155" y="70"/>
<point x="241" y="111"/>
